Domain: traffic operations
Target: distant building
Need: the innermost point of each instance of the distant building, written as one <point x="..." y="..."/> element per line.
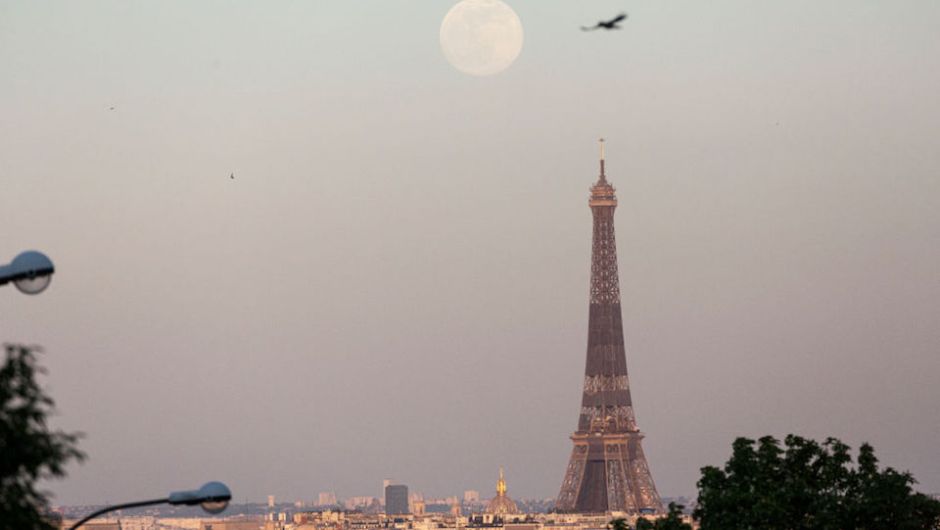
<point x="385" y="483"/>
<point x="359" y="502"/>
<point x="471" y="496"/>
<point x="270" y="501"/>
<point x="501" y="504"/>
<point x="237" y="523"/>
<point x="326" y="498"/>
<point x="97" y="525"/>
<point x="396" y="499"/>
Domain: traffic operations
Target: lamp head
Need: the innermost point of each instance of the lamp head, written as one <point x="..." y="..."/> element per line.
<point x="30" y="272"/>
<point x="212" y="496"/>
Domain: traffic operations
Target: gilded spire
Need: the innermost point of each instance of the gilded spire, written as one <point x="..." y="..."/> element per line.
<point x="501" y="484"/>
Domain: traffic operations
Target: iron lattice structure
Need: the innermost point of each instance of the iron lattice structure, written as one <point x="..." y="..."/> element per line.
<point x="607" y="471"/>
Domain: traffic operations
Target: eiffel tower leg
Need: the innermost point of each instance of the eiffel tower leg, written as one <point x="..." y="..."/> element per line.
<point x="620" y="487"/>
<point x="570" y="487"/>
<point x="616" y="481"/>
<point x="646" y="495"/>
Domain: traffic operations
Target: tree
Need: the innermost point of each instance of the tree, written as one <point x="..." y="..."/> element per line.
<point x="806" y="485"/>
<point x="29" y="450"/>
<point x="618" y="524"/>
<point x="672" y="521"/>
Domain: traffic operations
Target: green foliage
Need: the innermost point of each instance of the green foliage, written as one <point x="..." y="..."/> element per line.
<point x="618" y="524"/>
<point x="806" y="485"/>
<point x="29" y="451"/>
<point x="672" y="521"/>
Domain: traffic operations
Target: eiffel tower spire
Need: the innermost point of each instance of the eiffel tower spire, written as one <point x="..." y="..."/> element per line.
<point x="607" y="470"/>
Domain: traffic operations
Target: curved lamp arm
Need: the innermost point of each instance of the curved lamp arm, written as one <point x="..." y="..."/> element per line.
<point x="117" y="507"/>
<point x="212" y="496"/>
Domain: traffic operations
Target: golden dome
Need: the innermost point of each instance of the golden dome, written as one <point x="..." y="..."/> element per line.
<point x="501" y="504"/>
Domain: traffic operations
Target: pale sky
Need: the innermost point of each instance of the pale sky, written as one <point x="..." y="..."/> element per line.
<point x="395" y="285"/>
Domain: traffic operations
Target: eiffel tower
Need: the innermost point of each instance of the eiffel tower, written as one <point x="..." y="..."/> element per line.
<point x="607" y="471"/>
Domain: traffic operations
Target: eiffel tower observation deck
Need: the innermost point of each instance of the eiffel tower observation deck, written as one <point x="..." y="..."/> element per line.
<point x="607" y="471"/>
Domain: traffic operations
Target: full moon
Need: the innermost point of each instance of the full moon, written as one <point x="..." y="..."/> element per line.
<point x="481" y="37"/>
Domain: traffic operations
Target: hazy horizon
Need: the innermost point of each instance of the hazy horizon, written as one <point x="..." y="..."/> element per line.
<point x="395" y="283"/>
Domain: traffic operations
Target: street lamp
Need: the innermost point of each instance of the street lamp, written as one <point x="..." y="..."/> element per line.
<point x="30" y="272"/>
<point x="212" y="496"/>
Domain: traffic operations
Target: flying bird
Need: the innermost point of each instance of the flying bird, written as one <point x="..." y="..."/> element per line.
<point x="608" y="24"/>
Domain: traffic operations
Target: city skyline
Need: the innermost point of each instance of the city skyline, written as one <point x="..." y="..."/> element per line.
<point x="394" y="283"/>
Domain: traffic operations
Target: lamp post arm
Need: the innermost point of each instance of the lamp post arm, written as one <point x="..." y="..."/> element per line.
<point x="118" y="507"/>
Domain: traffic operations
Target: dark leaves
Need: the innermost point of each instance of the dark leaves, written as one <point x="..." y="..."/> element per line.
<point x="672" y="521"/>
<point x="811" y="486"/>
<point x="29" y="450"/>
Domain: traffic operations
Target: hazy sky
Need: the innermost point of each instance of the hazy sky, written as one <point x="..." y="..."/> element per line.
<point x="395" y="285"/>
